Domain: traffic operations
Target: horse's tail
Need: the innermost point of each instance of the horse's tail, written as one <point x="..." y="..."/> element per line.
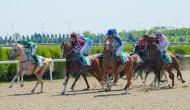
<point x="50" y="63"/>
<point x="137" y="59"/>
<point x="178" y="56"/>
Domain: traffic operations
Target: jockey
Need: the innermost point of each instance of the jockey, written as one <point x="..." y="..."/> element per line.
<point x="162" y="43"/>
<point x="140" y="48"/>
<point x="89" y="43"/>
<point x="31" y="50"/>
<point x="116" y="43"/>
<point x="79" y="45"/>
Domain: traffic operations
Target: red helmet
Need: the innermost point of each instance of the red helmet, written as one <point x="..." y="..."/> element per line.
<point x="151" y="36"/>
<point x="73" y="35"/>
<point x="142" y="41"/>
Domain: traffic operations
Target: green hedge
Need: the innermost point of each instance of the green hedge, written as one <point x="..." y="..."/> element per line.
<point x="9" y="70"/>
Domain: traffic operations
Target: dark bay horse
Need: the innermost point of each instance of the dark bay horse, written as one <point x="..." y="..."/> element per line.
<point x="147" y="67"/>
<point x="156" y="62"/>
<point x="110" y="66"/>
<point x="73" y="66"/>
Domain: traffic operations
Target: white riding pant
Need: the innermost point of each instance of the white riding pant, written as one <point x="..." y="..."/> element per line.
<point x="120" y="49"/>
<point x="83" y="48"/>
<point x="88" y="48"/>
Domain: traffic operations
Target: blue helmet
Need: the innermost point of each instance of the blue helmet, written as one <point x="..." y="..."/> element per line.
<point x="110" y="32"/>
<point x="81" y="37"/>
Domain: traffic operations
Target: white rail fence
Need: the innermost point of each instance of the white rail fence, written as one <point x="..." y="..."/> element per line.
<point x="59" y="60"/>
<point x="16" y="62"/>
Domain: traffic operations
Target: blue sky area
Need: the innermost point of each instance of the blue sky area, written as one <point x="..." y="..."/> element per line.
<point x="96" y="16"/>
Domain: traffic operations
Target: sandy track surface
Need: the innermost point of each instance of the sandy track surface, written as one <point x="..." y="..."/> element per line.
<point x="140" y="96"/>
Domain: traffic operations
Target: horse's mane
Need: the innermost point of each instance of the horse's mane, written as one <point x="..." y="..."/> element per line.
<point x="19" y="46"/>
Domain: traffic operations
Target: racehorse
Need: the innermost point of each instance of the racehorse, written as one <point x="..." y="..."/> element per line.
<point x="174" y="65"/>
<point x="74" y="66"/>
<point x="27" y="67"/>
<point x="156" y="63"/>
<point x="110" y="66"/>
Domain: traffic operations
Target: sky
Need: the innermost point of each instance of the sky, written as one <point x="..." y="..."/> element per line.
<point x="97" y="16"/>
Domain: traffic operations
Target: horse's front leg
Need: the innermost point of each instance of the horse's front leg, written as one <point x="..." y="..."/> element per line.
<point x="84" y="76"/>
<point x="15" y="77"/>
<point x="65" y="82"/>
<point x="116" y="78"/>
<point x="22" y="77"/>
<point x="76" y="79"/>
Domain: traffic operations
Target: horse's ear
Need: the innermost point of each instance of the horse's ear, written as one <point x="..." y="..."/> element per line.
<point x="14" y="43"/>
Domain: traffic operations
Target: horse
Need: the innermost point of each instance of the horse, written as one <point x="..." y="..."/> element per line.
<point x="27" y="67"/>
<point x="74" y="66"/>
<point x="156" y="63"/>
<point x="110" y="66"/>
<point x="174" y="65"/>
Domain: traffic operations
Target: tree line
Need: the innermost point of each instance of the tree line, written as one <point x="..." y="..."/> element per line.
<point x="173" y="35"/>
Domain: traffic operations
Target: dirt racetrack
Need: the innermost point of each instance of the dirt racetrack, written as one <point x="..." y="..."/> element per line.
<point x="140" y="96"/>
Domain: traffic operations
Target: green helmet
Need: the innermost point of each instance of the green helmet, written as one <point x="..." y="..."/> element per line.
<point x="115" y="31"/>
<point x="24" y="42"/>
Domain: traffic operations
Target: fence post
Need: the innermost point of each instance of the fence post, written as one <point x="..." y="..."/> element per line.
<point x="50" y="72"/>
<point x="18" y="78"/>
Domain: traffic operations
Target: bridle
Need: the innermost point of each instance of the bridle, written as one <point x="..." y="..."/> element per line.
<point x="68" y="53"/>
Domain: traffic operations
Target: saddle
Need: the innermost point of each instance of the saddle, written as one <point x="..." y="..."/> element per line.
<point x="34" y="59"/>
<point x="167" y="58"/>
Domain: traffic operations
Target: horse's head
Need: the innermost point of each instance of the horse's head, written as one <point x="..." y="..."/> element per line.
<point x="152" y="44"/>
<point x="65" y="48"/>
<point x="17" y="49"/>
<point x="107" y="44"/>
<point x="151" y="39"/>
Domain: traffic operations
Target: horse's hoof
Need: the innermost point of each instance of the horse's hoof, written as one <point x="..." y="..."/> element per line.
<point x="21" y="85"/>
<point x="72" y="88"/>
<point x="32" y="91"/>
<point x="10" y="86"/>
<point x="183" y="81"/>
<point x="63" y="93"/>
<point x="126" y="91"/>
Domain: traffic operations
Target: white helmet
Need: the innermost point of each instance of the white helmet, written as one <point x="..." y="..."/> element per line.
<point x="158" y="32"/>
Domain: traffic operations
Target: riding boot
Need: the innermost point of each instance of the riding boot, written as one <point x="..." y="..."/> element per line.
<point x="35" y="59"/>
<point x="82" y="63"/>
<point x="163" y="55"/>
<point x="120" y="60"/>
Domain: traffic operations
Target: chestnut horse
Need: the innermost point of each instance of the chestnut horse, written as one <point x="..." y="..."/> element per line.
<point x="110" y="66"/>
<point x="27" y="67"/>
<point x="155" y="59"/>
<point x="73" y="66"/>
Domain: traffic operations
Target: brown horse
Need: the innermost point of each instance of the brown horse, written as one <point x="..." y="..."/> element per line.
<point x="174" y="65"/>
<point x="156" y="61"/>
<point x="27" y="67"/>
<point x="74" y="66"/>
<point x="110" y="66"/>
